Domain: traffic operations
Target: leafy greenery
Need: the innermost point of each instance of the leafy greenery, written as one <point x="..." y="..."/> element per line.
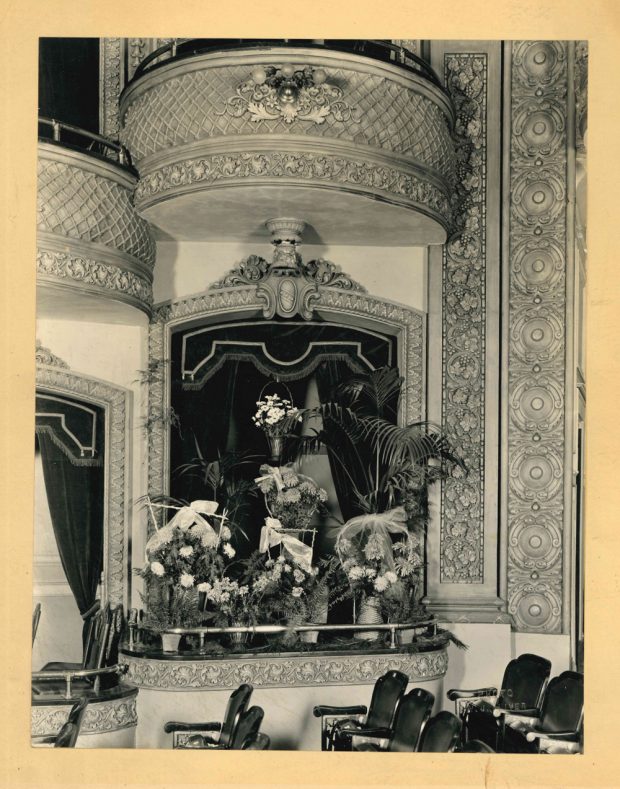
<point x="393" y="464"/>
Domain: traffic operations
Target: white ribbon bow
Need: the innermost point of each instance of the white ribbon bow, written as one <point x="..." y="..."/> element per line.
<point x="272" y="473"/>
<point x="186" y="517"/>
<point x="270" y="536"/>
<point x="382" y="524"/>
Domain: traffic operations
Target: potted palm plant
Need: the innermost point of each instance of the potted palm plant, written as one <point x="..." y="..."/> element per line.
<point x="386" y="468"/>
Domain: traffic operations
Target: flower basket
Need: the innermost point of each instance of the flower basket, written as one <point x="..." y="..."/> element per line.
<point x="276" y="416"/>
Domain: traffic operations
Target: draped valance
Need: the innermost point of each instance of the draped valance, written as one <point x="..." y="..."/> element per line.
<point x="75" y="428"/>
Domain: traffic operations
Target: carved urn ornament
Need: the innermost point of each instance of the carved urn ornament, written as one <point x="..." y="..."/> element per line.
<point x="289" y="93"/>
<point x="287" y="286"/>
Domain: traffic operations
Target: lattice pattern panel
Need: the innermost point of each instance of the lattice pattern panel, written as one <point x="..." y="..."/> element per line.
<point x="194" y="106"/>
<point x="537" y="344"/>
<point x="80" y="204"/>
<point x="464" y="308"/>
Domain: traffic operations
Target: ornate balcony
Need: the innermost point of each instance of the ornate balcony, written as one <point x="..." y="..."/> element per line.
<point x="223" y="137"/>
<point x="91" y="243"/>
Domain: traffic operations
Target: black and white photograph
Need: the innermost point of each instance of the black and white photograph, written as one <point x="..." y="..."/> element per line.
<point x="310" y="395"/>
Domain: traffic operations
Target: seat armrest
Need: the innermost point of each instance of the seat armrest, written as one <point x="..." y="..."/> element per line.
<point x="571" y="736"/>
<point x="367" y="746"/>
<point x="529" y="712"/>
<point x="460" y="693"/>
<point x="173" y="726"/>
<point x="322" y="710"/>
<point x="380" y="734"/>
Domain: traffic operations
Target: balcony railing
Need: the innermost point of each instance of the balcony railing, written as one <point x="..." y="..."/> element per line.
<point x="83" y="140"/>
<point x="377" y="49"/>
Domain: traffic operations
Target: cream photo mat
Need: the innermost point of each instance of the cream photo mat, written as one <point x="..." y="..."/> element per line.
<point x="598" y="22"/>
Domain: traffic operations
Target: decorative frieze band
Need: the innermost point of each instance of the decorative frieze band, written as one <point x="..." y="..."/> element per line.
<point x="281" y="672"/>
<point x="99" y="717"/>
<point x="297" y="167"/>
<point x="464" y="310"/>
<point x="537" y="332"/>
<point x="123" y="284"/>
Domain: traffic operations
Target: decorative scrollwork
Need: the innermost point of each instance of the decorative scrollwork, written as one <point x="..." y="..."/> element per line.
<point x="285" y="672"/>
<point x="250" y="271"/>
<point x="99" y="717"/>
<point x="274" y="92"/>
<point x="464" y="309"/>
<point x="45" y="356"/>
<point x="324" y="272"/>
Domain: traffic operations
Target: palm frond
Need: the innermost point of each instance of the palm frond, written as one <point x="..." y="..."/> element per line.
<point x="372" y="392"/>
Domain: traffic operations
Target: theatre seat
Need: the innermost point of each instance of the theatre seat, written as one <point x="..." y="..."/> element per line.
<point x="412" y="713"/>
<point x="188" y="735"/>
<point x="557" y="728"/>
<point x="338" y="726"/>
<point x="522" y="688"/>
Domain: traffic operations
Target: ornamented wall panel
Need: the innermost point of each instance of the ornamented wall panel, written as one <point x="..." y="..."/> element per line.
<point x="538" y="325"/>
<point x="464" y="327"/>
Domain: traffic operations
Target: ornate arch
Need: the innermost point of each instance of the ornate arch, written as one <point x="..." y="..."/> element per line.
<point x="346" y="305"/>
<point x="53" y="375"/>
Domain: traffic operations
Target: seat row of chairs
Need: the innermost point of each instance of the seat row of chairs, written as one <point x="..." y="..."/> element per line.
<point x="394" y="721"/>
<point x="531" y="713"/>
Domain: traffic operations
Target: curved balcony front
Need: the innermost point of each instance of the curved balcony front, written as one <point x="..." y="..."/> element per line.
<point x="95" y="254"/>
<point x="361" y="149"/>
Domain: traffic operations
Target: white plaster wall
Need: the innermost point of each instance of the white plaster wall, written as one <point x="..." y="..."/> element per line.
<point x="395" y="273"/>
<point x="114" y="353"/>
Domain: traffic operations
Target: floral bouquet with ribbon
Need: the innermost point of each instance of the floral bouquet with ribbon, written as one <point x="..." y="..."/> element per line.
<point x="189" y="551"/>
<point x="366" y="552"/>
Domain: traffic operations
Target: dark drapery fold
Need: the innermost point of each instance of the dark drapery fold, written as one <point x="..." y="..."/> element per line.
<point x="75" y="498"/>
<point x="328" y="376"/>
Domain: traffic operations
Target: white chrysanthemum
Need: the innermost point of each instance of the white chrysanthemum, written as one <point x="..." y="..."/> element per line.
<point x="381" y="583"/>
<point x="243" y="590"/>
<point x="157" y="568"/>
<point x="269" y="563"/>
<point x="187" y="580"/>
<point x="224" y="533"/>
<point x="229" y="550"/>
<point x="391" y="576"/>
<point x="297" y="591"/>
<point x="298" y="575"/>
<point x="204" y="587"/>
<point x="370" y="572"/>
<point x="287" y="568"/>
<point x="186" y="550"/>
<point x="355" y="573"/>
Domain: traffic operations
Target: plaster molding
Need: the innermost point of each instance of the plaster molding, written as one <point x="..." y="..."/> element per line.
<point x="538" y="321"/>
<point x="183" y="101"/>
<point x="396" y="184"/>
<point x="281" y="672"/>
<point x="463" y="327"/>
<point x="115" y="401"/>
<point x="111" y="84"/>
<point x="45" y="357"/>
<point x="99" y="717"/>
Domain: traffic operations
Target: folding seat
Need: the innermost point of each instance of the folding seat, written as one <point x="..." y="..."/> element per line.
<point x="441" y="734"/>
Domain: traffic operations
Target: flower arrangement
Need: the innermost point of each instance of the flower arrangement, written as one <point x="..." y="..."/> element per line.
<point x="181" y="557"/>
<point x="276" y="417"/>
<point x="365" y="567"/>
<point x="292" y="498"/>
<point x="275" y="414"/>
<point x="402" y="602"/>
<point x="230" y="602"/>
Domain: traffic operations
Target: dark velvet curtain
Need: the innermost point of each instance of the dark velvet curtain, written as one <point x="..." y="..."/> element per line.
<point x="328" y="376"/>
<point x="75" y="498"/>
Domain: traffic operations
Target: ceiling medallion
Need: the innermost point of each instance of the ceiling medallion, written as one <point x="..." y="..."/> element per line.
<point x="289" y="93"/>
